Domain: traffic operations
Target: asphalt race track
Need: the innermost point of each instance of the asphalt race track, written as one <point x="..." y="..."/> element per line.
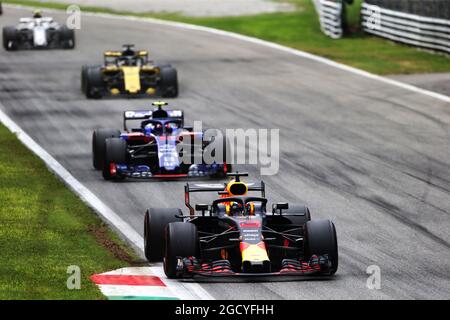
<point x="372" y="157"/>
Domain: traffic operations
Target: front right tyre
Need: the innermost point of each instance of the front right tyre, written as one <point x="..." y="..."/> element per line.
<point x="10" y="38"/>
<point x="94" y="84"/>
<point x="115" y="153"/>
<point x="98" y="145"/>
<point x="321" y="240"/>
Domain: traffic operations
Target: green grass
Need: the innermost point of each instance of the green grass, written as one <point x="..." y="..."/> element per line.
<point x="44" y="228"/>
<point x="300" y="30"/>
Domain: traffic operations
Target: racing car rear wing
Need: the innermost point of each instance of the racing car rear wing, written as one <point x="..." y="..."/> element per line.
<point x="148" y="114"/>
<point x="188" y="189"/>
<point x="115" y="54"/>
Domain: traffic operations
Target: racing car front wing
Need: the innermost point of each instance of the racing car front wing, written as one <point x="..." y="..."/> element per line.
<point x="191" y="267"/>
<point x="144" y="172"/>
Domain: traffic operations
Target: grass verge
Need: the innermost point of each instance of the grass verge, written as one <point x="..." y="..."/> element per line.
<point x="44" y="228"/>
<point x="300" y="29"/>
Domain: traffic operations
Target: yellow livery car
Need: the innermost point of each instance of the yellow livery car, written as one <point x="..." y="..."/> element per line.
<point x="129" y="72"/>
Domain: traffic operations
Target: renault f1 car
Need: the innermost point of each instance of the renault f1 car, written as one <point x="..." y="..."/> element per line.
<point x="156" y="149"/>
<point x="131" y="73"/>
<point x="38" y="32"/>
<point x="236" y="236"/>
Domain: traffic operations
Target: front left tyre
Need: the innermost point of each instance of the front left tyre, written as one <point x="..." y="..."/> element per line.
<point x="181" y="241"/>
<point x="115" y="153"/>
<point x="93" y="83"/>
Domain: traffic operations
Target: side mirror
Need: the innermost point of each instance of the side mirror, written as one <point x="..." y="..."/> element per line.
<point x="202" y="207"/>
<point x="189" y="128"/>
<point x="279" y="207"/>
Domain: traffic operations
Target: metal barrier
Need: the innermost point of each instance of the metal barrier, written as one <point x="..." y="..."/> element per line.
<point x="439" y="9"/>
<point x="330" y="16"/>
<point x="426" y="32"/>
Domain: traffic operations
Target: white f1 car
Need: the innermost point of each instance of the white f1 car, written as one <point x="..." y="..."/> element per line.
<point x="38" y="32"/>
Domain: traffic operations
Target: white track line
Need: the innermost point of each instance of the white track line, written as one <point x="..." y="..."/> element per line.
<point x="183" y="290"/>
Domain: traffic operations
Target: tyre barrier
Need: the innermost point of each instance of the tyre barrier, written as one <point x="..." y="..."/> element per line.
<point x="412" y="29"/>
<point x="330" y="16"/>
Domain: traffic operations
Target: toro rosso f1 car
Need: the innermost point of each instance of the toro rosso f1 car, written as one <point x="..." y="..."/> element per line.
<point x="38" y="32"/>
<point x="158" y="148"/>
<point x="131" y="73"/>
<point x="236" y="236"/>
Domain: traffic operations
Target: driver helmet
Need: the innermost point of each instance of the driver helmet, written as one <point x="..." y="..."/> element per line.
<point x="37" y="14"/>
<point x="151" y="128"/>
<point x="158" y="129"/>
<point x="250" y="208"/>
<point x="128" y="50"/>
<point x="148" y="128"/>
<point x="234" y="209"/>
<point x="126" y="61"/>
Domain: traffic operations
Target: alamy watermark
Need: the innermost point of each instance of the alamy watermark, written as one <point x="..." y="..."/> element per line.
<point x="374" y="280"/>
<point x="74" y="280"/>
<point x="74" y="17"/>
<point x="232" y="146"/>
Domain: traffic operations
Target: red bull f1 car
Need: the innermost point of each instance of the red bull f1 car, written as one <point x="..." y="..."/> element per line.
<point x="158" y="148"/>
<point x="236" y="236"/>
<point x="129" y="72"/>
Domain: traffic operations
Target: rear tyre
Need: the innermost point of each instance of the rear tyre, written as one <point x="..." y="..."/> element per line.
<point x="220" y="159"/>
<point x="94" y="83"/>
<point x="181" y="240"/>
<point x="162" y="65"/>
<point x="169" y="82"/>
<point x="302" y="214"/>
<point x="84" y="70"/>
<point x="115" y="153"/>
<point x="227" y="155"/>
<point x="84" y="76"/>
<point x="321" y="240"/>
<point x="10" y="38"/>
<point x="155" y="222"/>
<point x="98" y="145"/>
